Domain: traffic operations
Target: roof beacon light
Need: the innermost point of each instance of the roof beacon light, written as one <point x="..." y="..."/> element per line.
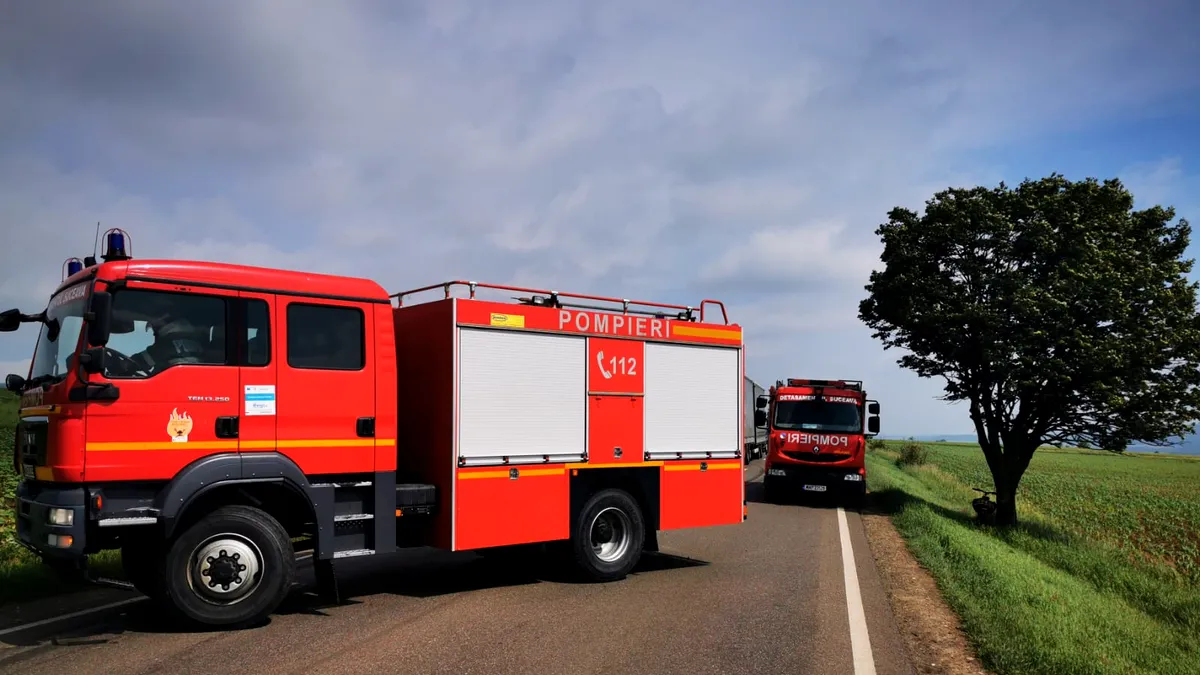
<point x="114" y="245"/>
<point x="72" y="266"/>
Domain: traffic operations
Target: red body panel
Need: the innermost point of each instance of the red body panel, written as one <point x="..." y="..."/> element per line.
<point x="546" y="319"/>
<point x="495" y="509"/>
<point x="427" y="402"/>
<point x="616" y="422"/>
<point x="691" y="497"/>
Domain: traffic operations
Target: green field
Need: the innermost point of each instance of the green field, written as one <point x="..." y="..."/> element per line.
<point x="1102" y="576"/>
<point x="22" y="576"/>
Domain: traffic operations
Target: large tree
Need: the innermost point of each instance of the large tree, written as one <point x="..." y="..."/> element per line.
<point x="1058" y="311"/>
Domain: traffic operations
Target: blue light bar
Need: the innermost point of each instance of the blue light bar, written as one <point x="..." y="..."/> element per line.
<point x="74" y="266"/>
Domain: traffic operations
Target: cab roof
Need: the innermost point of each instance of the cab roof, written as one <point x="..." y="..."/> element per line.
<point x="237" y="277"/>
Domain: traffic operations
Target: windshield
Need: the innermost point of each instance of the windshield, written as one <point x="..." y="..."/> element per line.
<point x="60" y="334"/>
<point x="838" y="415"/>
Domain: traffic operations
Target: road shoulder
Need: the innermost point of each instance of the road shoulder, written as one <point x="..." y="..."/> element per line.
<point x="932" y="634"/>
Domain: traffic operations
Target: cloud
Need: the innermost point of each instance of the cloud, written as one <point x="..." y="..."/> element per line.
<point x="652" y="150"/>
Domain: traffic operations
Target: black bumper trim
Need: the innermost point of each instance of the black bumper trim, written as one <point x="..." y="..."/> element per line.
<point x="33" y="524"/>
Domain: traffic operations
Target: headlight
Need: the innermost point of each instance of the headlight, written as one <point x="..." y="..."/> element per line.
<point x="62" y="517"/>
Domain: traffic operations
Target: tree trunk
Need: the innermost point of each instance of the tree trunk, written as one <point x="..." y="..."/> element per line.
<point x="1006" y="504"/>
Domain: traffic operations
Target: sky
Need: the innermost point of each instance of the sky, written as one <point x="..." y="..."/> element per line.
<point x="662" y="151"/>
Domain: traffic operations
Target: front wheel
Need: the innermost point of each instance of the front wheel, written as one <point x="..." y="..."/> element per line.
<point x="231" y="568"/>
<point x="608" y="536"/>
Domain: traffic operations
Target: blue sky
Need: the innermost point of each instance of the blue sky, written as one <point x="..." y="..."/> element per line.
<point x="664" y="151"/>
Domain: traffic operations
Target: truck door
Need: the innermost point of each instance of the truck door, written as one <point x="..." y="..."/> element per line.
<point x="326" y="384"/>
<point x="172" y="362"/>
<point x="256" y="352"/>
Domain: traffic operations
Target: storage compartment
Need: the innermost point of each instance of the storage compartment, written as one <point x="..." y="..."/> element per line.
<point x="521" y="396"/>
<point x="512" y="505"/>
<point x="699" y="494"/>
<point x="615" y="431"/>
<point x="692" y="401"/>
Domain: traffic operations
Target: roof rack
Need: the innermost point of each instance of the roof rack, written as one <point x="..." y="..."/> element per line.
<point x="544" y="298"/>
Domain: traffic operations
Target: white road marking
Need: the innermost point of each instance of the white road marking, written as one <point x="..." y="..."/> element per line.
<point x="860" y="642"/>
<point x="72" y="615"/>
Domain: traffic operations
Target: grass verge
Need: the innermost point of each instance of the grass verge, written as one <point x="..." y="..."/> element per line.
<point x="1043" y="598"/>
<point x="22" y="576"/>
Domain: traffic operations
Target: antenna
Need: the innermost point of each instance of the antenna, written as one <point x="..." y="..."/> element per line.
<point x="91" y="260"/>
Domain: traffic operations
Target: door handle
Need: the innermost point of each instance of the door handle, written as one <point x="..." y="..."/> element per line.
<point x="227" y="427"/>
<point x="365" y="427"/>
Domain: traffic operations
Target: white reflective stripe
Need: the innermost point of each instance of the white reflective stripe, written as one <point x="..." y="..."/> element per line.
<point x="138" y="520"/>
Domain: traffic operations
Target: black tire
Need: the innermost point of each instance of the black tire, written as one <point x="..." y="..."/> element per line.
<point x="615" y="518"/>
<point x="226" y="535"/>
<point x="141" y="561"/>
<point x="770" y="490"/>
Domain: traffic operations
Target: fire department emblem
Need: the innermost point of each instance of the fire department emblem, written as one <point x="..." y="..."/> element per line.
<point x="179" y="426"/>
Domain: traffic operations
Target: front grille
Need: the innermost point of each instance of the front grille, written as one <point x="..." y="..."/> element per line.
<point x="819" y="458"/>
<point x="31" y="442"/>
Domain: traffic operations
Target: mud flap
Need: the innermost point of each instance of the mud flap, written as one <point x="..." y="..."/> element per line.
<point x="327" y="587"/>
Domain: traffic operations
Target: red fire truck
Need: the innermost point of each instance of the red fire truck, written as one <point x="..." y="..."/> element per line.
<point x="816" y="436"/>
<point x="212" y="420"/>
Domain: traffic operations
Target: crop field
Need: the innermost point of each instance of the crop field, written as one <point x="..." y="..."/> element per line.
<point x="1146" y="505"/>
<point x="1101" y="576"/>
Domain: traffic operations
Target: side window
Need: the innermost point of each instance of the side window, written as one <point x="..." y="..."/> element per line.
<point x="258" y="333"/>
<point x="154" y="330"/>
<point x="325" y="337"/>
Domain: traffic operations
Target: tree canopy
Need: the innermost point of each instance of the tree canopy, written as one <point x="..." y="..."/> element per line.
<point x="1058" y="311"/>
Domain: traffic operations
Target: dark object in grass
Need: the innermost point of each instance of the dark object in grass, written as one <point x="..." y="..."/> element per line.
<point x="985" y="509"/>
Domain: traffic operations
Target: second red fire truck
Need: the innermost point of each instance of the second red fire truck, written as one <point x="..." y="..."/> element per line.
<point x="210" y="420"/>
<point x="816" y="437"/>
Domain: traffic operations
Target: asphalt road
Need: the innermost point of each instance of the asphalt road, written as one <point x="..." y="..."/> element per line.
<point x="766" y="596"/>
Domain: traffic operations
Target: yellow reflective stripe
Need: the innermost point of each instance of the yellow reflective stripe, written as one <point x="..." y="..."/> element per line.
<point x="157" y="445"/>
<point x="465" y="475"/>
<point x="696" y="467"/>
<point x="244" y="445"/>
<point x="695" y="331"/>
<point x="37" y="411"/>
<point x="615" y="465"/>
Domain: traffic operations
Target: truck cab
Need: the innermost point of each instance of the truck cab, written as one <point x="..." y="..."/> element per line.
<point x="816" y="437"/>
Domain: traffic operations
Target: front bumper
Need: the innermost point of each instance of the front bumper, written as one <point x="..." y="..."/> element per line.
<point x="818" y="479"/>
<point x="34" y="527"/>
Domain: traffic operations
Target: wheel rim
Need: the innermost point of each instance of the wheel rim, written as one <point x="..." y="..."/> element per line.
<point x="611" y="534"/>
<point x="225" y="568"/>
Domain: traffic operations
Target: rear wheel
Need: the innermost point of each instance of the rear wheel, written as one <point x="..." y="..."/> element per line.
<point x="231" y="568"/>
<point x="608" y="536"/>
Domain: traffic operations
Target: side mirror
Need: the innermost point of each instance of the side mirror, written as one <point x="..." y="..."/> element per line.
<point x="92" y="360"/>
<point x="10" y="320"/>
<point x="761" y="402"/>
<point x="872" y="425"/>
<point x="760" y="418"/>
<point x="873" y="407"/>
<point x="14" y="383"/>
<point x="99" y="319"/>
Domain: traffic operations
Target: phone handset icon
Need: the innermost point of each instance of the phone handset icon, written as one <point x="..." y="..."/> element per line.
<point x="600" y="361"/>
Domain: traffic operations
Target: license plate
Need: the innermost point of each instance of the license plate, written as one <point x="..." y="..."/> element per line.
<point x="815" y="488"/>
<point x="29" y="471"/>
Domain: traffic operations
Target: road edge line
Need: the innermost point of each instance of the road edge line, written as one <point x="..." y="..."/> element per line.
<point x="860" y="639"/>
<point x="68" y="617"/>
